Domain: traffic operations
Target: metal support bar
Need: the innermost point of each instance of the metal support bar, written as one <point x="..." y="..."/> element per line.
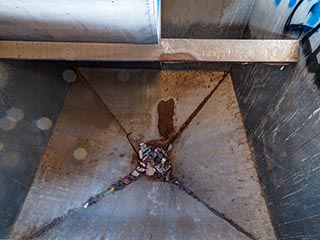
<point x="171" y="50"/>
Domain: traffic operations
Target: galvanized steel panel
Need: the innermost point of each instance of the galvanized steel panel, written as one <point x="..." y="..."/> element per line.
<point x="108" y="21"/>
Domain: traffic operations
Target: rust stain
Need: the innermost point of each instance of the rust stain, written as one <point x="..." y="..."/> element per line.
<point x="165" y="121"/>
<point x="187" y="83"/>
<point x="177" y="57"/>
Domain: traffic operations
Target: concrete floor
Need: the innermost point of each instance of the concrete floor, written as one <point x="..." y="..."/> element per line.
<point x="89" y="150"/>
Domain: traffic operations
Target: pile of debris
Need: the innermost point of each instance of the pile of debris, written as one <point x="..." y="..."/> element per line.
<point x="152" y="161"/>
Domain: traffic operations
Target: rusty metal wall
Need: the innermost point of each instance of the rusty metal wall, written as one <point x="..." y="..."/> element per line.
<point x="280" y="108"/>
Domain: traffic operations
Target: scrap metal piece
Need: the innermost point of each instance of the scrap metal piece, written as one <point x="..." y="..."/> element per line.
<point x="150" y="170"/>
<point x="135" y="173"/>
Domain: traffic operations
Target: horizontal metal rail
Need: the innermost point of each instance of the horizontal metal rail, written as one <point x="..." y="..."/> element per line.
<point x="172" y="50"/>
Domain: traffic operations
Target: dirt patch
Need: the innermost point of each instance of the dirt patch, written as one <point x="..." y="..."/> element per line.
<point x="165" y="121"/>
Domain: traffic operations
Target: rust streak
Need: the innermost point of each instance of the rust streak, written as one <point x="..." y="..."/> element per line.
<point x="177" y="57"/>
<point x="165" y="121"/>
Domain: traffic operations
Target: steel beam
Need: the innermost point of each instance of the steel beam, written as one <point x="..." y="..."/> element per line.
<point x="172" y="50"/>
<point x="125" y="21"/>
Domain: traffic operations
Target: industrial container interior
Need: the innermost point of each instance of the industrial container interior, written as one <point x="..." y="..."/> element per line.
<point x="242" y="140"/>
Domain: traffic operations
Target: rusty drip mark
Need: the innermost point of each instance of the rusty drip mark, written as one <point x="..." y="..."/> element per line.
<point x="184" y="57"/>
<point x="165" y="121"/>
<point x="211" y="209"/>
<point x="184" y="126"/>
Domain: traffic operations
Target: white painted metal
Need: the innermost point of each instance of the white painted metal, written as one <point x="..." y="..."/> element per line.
<point x="107" y="21"/>
<point x="167" y="50"/>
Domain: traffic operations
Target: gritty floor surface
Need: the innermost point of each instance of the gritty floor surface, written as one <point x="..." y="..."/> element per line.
<point x="89" y="150"/>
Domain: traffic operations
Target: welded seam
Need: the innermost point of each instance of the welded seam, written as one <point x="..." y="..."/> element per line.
<point x="185" y="125"/>
<point x="211" y="209"/>
<point x="55" y="222"/>
<point x="173" y="139"/>
<point x="46" y="227"/>
<point x="105" y="107"/>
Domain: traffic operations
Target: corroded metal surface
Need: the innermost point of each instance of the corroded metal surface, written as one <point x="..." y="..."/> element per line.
<point x="67" y="178"/>
<point x="135" y="96"/>
<point x="168" y="50"/>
